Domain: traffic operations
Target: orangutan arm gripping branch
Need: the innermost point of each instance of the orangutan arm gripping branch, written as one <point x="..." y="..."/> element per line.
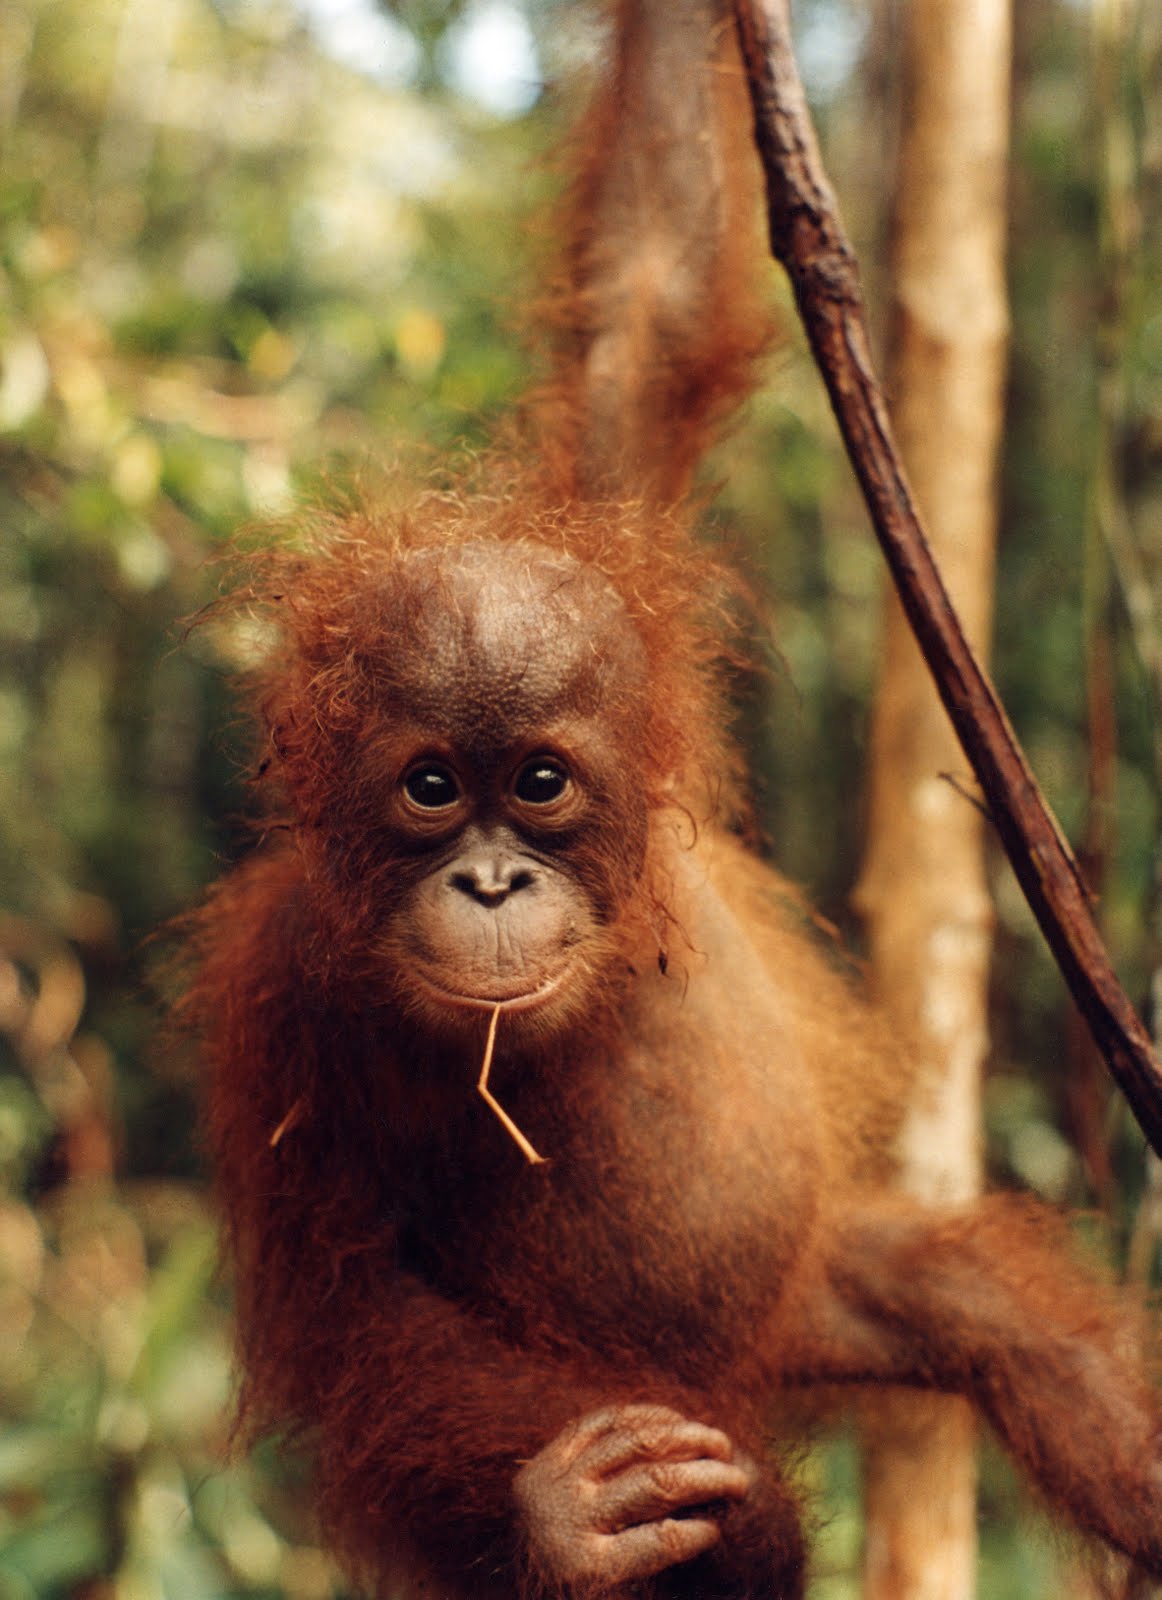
<point x="658" y="323"/>
<point x="488" y="725"/>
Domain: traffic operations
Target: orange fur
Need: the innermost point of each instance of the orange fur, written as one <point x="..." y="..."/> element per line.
<point x="440" y="1319"/>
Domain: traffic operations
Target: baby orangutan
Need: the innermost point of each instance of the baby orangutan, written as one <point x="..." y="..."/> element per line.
<point x="495" y="753"/>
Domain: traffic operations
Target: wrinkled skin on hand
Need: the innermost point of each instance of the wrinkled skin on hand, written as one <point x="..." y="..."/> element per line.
<point x="500" y="806"/>
<point x="624" y="1493"/>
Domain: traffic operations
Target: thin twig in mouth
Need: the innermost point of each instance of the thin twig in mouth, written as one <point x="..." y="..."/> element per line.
<point x="527" y="1150"/>
<point x="292" y="1118"/>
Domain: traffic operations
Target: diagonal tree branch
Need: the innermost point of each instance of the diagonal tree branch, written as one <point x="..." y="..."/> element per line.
<point x="808" y="239"/>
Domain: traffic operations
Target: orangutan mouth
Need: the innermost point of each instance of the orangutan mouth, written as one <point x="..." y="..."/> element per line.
<point x="514" y="1001"/>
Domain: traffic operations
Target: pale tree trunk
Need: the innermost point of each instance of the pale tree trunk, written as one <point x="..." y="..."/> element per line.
<point x="923" y="890"/>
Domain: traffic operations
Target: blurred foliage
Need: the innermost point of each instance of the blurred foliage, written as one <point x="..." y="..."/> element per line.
<point x="230" y="264"/>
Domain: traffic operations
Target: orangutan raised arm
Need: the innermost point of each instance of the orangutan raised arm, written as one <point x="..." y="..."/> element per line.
<point x="494" y="756"/>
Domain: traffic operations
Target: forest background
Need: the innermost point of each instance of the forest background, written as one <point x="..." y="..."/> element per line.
<point x="249" y="247"/>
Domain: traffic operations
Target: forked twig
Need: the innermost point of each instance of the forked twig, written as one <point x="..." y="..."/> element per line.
<point x="808" y="239"/>
<point x="527" y="1150"/>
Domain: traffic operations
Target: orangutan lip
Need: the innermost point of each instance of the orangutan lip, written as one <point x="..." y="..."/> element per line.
<point x="526" y="1000"/>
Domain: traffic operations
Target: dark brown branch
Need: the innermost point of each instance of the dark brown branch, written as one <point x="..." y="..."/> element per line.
<point x="807" y="237"/>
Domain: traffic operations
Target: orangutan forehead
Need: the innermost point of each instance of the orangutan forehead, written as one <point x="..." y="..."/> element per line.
<point x="496" y="635"/>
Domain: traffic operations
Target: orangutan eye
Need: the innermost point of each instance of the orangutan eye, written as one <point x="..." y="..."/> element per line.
<point x="541" y="781"/>
<point x="431" y="787"/>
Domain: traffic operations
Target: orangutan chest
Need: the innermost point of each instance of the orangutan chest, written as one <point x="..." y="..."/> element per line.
<point x="639" y="1232"/>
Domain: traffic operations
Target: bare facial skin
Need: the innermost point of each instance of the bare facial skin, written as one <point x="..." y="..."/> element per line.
<point x="626" y="1492"/>
<point x="548" y="1359"/>
<point x="501" y="837"/>
<point x="511" y="785"/>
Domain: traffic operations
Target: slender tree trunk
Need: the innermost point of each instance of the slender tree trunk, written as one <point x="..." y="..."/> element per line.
<point x="923" y="890"/>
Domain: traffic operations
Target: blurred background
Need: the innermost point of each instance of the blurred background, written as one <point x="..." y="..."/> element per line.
<point x="246" y="243"/>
